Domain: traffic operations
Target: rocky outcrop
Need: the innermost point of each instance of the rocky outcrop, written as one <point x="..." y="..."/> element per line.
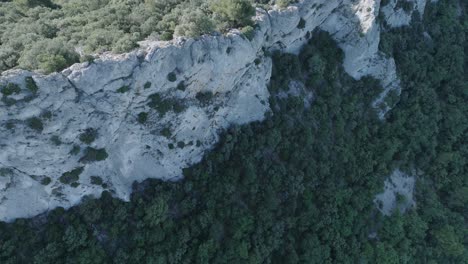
<point x="152" y="112"/>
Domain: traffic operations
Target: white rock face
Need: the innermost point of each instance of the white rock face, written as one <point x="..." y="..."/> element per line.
<point x="109" y="94"/>
<point x="397" y="195"/>
<point x="396" y="16"/>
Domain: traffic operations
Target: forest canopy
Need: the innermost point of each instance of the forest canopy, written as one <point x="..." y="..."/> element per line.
<point x="52" y="34"/>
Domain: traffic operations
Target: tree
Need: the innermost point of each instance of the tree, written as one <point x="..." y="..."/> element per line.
<point x="194" y="23"/>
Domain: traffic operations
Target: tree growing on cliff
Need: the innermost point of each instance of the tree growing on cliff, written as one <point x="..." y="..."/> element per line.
<point x="233" y="13"/>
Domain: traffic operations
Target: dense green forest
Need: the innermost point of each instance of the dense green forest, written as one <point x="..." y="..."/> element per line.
<point x="299" y="186"/>
<point x="49" y="34"/>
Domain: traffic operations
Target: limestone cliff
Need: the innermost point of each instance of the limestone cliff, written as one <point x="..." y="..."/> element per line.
<point x="152" y="112"/>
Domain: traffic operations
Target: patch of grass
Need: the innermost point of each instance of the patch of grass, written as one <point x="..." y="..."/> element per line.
<point x="123" y="89"/>
<point x="142" y="117"/>
<point x="31" y="84"/>
<point x="147" y="85"/>
<point x="172" y="77"/>
<point x="96" y="180"/>
<point x="88" y="136"/>
<point x="9" y="89"/>
<point x="92" y="155"/>
<point x="35" y="123"/>
<point x="71" y="176"/>
<point x="75" y="150"/>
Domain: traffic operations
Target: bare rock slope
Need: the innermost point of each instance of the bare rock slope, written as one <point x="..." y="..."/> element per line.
<point x="152" y="112"/>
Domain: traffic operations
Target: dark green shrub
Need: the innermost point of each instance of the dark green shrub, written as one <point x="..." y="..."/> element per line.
<point x="147" y="85"/>
<point x="204" y="97"/>
<point x="301" y="24"/>
<point x="181" y="86"/>
<point x="166" y="132"/>
<point x="92" y="155"/>
<point x="88" y="136"/>
<point x="142" y="117"/>
<point x="71" y="176"/>
<point x="5" y="172"/>
<point x="123" y="89"/>
<point x="171" y="146"/>
<point x="56" y="140"/>
<point x="75" y="150"/>
<point x="75" y="184"/>
<point x="35" y="123"/>
<point x="172" y="77"/>
<point x="162" y="105"/>
<point x="178" y="106"/>
<point x="46" y="181"/>
<point x="180" y="144"/>
<point x="96" y="180"/>
<point x="10" y="88"/>
<point x="31" y="84"/>
<point x="46" y="115"/>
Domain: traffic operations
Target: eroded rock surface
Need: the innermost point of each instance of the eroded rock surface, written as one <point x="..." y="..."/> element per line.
<point x="152" y="112"/>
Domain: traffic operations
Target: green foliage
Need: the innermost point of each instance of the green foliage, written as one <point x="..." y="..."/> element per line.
<point x="204" y="97"/>
<point x="123" y="89"/>
<point x="301" y="24"/>
<point x="142" y="117"/>
<point x="71" y="176"/>
<point x="75" y="150"/>
<point x="9" y="89"/>
<point x="31" y="84"/>
<point x="248" y="32"/>
<point x="147" y="85"/>
<point x="43" y="34"/>
<point x="96" y="180"/>
<point x="172" y="77"/>
<point x="88" y="136"/>
<point x="233" y="13"/>
<point x="93" y="154"/>
<point x="35" y="123"/>
<point x="56" y="140"/>
<point x="46" y="181"/>
<point x="164" y="105"/>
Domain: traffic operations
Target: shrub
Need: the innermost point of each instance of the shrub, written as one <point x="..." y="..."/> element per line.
<point x="180" y="144"/>
<point x="147" y="85"/>
<point x="56" y="140"/>
<point x="123" y="89"/>
<point x="75" y="150"/>
<point x="248" y="32"/>
<point x="301" y="24"/>
<point x="31" y="84"/>
<point x="96" y="180"/>
<point x="46" y="181"/>
<point x="35" y="123"/>
<point x="46" y="115"/>
<point x="10" y="88"/>
<point x="166" y="132"/>
<point x="88" y="136"/>
<point x="142" y="117"/>
<point x="162" y="105"/>
<point x="283" y="3"/>
<point x="92" y="154"/>
<point x="172" y="77"/>
<point x="181" y="86"/>
<point x="71" y="176"/>
<point x="204" y="97"/>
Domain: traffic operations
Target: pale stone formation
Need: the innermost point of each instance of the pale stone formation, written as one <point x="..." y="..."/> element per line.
<point x="398" y="194"/>
<point x="90" y="95"/>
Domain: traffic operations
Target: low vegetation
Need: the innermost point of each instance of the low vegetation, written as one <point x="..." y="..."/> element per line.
<point x="46" y="34"/>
